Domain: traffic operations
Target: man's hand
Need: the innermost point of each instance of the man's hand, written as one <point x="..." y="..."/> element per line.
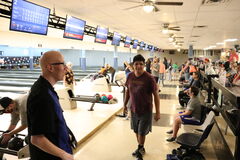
<point x="125" y="110"/>
<point x="67" y="156"/>
<point x="186" y="91"/>
<point x="157" y="116"/>
<point x="6" y="138"/>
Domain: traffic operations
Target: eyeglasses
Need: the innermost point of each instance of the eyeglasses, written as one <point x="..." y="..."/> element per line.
<point x="59" y="63"/>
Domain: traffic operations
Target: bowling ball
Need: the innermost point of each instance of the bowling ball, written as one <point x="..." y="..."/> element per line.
<point x="109" y="96"/>
<point x="98" y="97"/>
<point x="115" y="100"/>
<point x="112" y="101"/>
<point x="26" y="140"/>
<point x="104" y="99"/>
<point x="103" y="94"/>
<point x="15" y="143"/>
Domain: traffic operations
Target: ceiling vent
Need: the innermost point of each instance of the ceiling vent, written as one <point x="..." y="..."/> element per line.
<point x="199" y="26"/>
<point x="195" y="36"/>
<point x="213" y="2"/>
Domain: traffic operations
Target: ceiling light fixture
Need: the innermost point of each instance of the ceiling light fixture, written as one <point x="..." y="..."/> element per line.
<point x="178" y="49"/>
<point x="165" y="30"/>
<point x="170" y="39"/>
<point x="148" y="8"/>
<point x="230" y="40"/>
<point x="213" y="46"/>
<point x="220" y="43"/>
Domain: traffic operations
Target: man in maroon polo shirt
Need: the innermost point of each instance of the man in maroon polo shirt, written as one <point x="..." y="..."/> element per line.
<point x="140" y="88"/>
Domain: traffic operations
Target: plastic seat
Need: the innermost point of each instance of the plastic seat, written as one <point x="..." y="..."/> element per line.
<point x="193" y="140"/>
<point x="209" y="118"/>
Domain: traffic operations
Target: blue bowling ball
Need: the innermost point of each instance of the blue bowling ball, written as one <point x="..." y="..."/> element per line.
<point x="104" y="99"/>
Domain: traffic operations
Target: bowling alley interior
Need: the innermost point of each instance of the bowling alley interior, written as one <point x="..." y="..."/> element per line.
<point x="120" y="79"/>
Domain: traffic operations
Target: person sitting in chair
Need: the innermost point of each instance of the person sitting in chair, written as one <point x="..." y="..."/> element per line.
<point x="192" y="114"/>
<point x="236" y="79"/>
<point x="183" y="95"/>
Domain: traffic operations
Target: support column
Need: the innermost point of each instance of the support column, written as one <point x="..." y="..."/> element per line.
<point x="190" y="51"/>
<point x="83" y="61"/>
<point x="31" y="63"/>
<point x="115" y="58"/>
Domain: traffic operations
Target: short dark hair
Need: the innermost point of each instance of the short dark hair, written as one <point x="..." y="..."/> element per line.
<point x="226" y="65"/>
<point x="5" y="101"/>
<point x="194" y="90"/>
<point x="196" y="73"/>
<point x="138" y="57"/>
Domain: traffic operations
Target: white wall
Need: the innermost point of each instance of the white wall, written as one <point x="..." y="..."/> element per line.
<point x="95" y="57"/>
<point x="178" y="57"/>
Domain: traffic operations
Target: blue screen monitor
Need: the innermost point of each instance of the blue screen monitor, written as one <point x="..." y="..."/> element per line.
<point x="141" y="45"/>
<point x="155" y="49"/>
<point x="149" y="47"/>
<point x="116" y="39"/>
<point x="127" y="42"/>
<point x="135" y="44"/>
<point x="101" y="35"/>
<point x="74" y="28"/>
<point x="29" y="17"/>
<point x="146" y="47"/>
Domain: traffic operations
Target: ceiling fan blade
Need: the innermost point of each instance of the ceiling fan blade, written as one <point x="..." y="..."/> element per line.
<point x="173" y="29"/>
<point x="133" y="7"/>
<point x="156" y="9"/>
<point x="169" y="3"/>
<point x="132" y="1"/>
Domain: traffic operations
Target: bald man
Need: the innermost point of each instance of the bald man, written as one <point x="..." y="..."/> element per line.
<point x="47" y="128"/>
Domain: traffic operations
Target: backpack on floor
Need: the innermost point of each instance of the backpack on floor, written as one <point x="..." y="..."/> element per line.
<point x="172" y="157"/>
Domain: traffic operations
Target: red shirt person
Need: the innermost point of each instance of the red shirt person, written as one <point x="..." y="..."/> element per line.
<point x="233" y="56"/>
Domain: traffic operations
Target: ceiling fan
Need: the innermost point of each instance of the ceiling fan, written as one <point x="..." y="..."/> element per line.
<point x="150" y="5"/>
<point x="172" y="37"/>
<point x="166" y="28"/>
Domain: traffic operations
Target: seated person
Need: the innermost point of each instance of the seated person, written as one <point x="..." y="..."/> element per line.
<point x="236" y="80"/>
<point x="182" y="95"/>
<point x="192" y="114"/>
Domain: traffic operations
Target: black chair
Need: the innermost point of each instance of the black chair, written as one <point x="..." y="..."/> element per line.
<point x="190" y="143"/>
<point x="204" y="111"/>
<point x="193" y="140"/>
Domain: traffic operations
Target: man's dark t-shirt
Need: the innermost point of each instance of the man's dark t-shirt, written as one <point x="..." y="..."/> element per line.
<point x="43" y="119"/>
<point x="141" y="89"/>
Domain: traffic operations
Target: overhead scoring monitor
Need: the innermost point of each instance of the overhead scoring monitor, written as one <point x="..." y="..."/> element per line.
<point x="74" y="28"/>
<point x="141" y="45"/>
<point x="116" y="39"/>
<point x="101" y="35"/>
<point x="29" y="17"/>
<point x="127" y="42"/>
<point x="135" y="44"/>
